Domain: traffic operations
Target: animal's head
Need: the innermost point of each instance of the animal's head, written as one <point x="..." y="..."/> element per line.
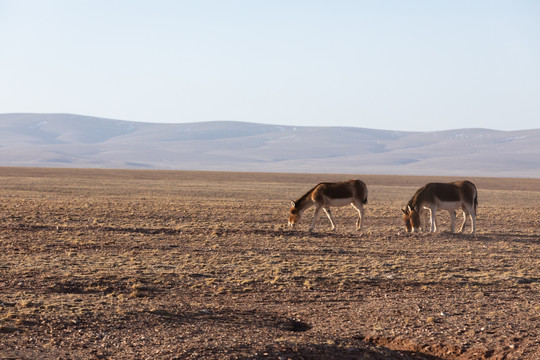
<point x="411" y="217"/>
<point x="295" y="215"/>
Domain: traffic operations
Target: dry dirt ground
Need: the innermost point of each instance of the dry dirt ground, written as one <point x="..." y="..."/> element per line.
<point x="188" y="265"/>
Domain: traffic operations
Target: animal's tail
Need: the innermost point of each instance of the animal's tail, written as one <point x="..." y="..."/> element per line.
<point x="475" y="200"/>
<point x="365" y="200"/>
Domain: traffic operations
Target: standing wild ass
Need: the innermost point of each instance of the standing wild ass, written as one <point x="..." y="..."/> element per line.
<point x="445" y="196"/>
<point x="328" y="194"/>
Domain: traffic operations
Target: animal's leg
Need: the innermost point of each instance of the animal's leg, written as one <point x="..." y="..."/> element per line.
<point x="472" y="213"/>
<point x="425" y="219"/>
<point x="317" y="211"/>
<point x="433" y="220"/>
<point x="452" y="220"/>
<point x="465" y="218"/>
<point x="329" y="215"/>
<point x="360" y="221"/>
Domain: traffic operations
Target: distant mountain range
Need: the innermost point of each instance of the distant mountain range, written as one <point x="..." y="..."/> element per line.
<point x="63" y="140"/>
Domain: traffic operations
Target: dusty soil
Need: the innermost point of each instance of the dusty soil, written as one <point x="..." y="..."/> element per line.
<point x="186" y="265"/>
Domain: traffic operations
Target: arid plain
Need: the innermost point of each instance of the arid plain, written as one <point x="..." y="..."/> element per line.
<point x="186" y="265"/>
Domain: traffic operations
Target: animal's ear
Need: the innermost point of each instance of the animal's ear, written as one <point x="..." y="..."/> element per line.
<point x="409" y="208"/>
<point x="293" y="204"/>
<point x="405" y="212"/>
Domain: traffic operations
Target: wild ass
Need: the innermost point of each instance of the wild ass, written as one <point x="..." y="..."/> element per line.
<point x="445" y="196"/>
<point x="327" y="194"/>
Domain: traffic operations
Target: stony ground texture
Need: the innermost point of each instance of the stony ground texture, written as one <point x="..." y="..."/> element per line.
<point x="188" y="265"/>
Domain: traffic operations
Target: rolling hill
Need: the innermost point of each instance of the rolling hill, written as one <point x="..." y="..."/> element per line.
<point x="64" y="140"/>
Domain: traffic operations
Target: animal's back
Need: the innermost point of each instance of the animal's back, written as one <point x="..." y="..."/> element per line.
<point x="336" y="190"/>
<point x="340" y="190"/>
<point x="454" y="191"/>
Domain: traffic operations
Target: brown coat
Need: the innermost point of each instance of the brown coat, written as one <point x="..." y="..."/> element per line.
<point x="445" y="196"/>
<point x="327" y="194"/>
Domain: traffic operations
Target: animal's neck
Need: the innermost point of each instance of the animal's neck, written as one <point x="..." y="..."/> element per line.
<point x="304" y="202"/>
<point x="419" y="199"/>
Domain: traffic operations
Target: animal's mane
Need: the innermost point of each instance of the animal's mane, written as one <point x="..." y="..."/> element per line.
<point x="414" y="199"/>
<point x="305" y="196"/>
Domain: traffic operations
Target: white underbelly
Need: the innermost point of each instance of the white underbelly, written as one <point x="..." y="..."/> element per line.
<point x="448" y="205"/>
<point x="338" y="202"/>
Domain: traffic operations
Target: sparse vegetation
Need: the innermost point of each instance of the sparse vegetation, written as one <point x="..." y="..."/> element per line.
<point x="171" y="264"/>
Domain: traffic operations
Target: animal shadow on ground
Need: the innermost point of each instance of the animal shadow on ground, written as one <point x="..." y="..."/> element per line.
<point x="252" y="318"/>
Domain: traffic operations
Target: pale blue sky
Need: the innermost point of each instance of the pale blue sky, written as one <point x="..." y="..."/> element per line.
<point x="403" y="65"/>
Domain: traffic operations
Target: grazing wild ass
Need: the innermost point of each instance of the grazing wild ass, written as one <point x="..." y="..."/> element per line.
<point x="445" y="196"/>
<point x="328" y="194"/>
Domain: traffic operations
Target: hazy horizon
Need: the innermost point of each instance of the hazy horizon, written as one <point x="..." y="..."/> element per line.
<point x="270" y="124"/>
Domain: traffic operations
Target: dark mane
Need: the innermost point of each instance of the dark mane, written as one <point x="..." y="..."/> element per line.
<point x="306" y="195"/>
<point x="414" y="199"/>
